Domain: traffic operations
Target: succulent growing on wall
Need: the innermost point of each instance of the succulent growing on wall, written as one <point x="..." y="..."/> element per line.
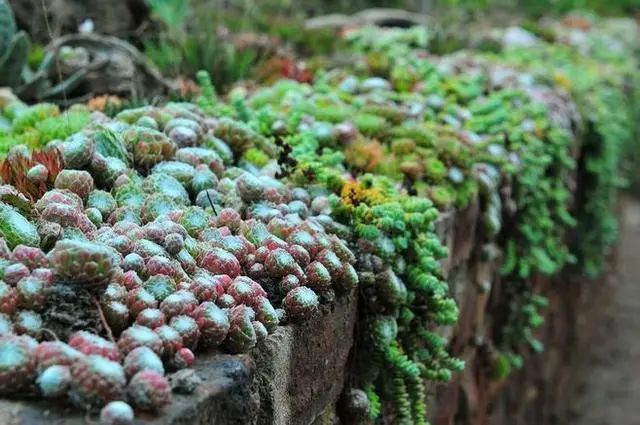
<point x="166" y="248"/>
<point x="596" y="83"/>
<point x="608" y="132"/>
<point x="404" y="295"/>
<point x="454" y="127"/>
<point x="143" y="238"/>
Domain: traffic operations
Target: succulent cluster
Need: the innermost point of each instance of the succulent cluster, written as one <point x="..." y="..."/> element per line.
<point x="605" y="87"/>
<point x="456" y="128"/>
<point x="34" y="126"/>
<point x="597" y="78"/>
<point x="405" y="297"/>
<point x="175" y="248"/>
<point x="380" y="132"/>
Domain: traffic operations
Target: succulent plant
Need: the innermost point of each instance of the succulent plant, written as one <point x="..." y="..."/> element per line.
<point x="160" y="285"/>
<point x="241" y="336"/>
<point x="239" y="137"/>
<point x="301" y="303"/>
<point x="180" y="303"/>
<point x="18" y="365"/>
<point x="31" y="293"/>
<point x="142" y="358"/>
<point x="171" y="340"/>
<point x="16" y="229"/>
<point x="54" y="381"/>
<point x="51" y="353"/>
<point x="78" y="151"/>
<point x="116" y="314"/>
<point x="139" y="336"/>
<point x="86" y="263"/>
<point x="183" y="358"/>
<point x="28" y="322"/>
<point x="102" y="201"/>
<point x="147" y="146"/>
<point x="117" y="413"/>
<point x="96" y="381"/>
<point x="32" y="257"/>
<point x="8" y="299"/>
<point x="149" y="390"/>
<point x="213" y="324"/>
<point x="88" y="344"/>
<point x="188" y="330"/>
<point x="139" y="299"/>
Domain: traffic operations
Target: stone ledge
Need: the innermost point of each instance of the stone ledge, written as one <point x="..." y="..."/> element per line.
<point x="294" y="377"/>
<point x="224" y="397"/>
<point x="301" y="369"/>
<point x="297" y="375"/>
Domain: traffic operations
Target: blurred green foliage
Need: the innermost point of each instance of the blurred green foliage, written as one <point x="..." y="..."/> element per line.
<point x="530" y="8"/>
<point x="204" y="34"/>
<point x="538" y="8"/>
<point x="195" y="35"/>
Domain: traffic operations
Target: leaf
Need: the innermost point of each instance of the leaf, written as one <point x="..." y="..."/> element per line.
<point x="7" y="26"/>
<point x="19" y="202"/>
<point x="14" y="60"/>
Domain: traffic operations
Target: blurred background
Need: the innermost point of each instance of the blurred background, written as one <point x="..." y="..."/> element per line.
<point x="249" y="39"/>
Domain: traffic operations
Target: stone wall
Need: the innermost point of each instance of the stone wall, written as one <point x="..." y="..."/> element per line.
<point x="297" y="375"/>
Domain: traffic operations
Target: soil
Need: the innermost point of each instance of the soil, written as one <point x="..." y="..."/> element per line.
<point x="70" y="309"/>
<point x="609" y="390"/>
